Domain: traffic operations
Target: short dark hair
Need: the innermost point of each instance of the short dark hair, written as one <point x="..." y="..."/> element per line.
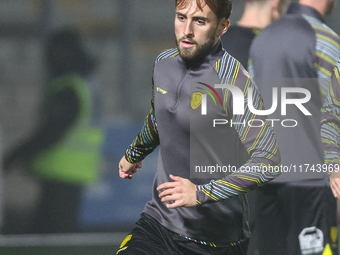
<point x="221" y="8"/>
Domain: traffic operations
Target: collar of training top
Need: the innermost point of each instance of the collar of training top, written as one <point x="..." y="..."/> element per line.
<point x="296" y="8"/>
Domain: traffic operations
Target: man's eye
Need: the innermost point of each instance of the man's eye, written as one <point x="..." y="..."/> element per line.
<point x="181" y="18"/>
<point x="200" y="22"/>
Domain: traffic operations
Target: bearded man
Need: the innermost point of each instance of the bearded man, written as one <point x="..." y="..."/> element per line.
<point x="198" y="213"/>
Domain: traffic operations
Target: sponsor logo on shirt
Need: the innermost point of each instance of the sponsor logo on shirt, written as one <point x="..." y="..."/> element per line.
<point x="204" y="96"/>
<point x="196" y="100"/>
<point x="161" y="90"/>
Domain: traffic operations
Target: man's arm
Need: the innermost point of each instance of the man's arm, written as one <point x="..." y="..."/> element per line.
<point x="327" y="53"/>
<point x="330" y="131"/>
<point x="260" y="143"/>
<point x="146" y="142"/>
<point x="127" y="169"/>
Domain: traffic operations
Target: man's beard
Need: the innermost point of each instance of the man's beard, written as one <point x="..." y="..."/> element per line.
<point x="195" y="55"/>
<point x="330" y="6"/>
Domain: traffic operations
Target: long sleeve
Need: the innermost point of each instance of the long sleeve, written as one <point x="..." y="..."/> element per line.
<point x="330" y="121"/>
<point x="147" y="140"/>
<point x="260" y="142"/>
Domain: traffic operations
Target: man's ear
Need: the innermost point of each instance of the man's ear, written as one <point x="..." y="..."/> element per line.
<point x="223" y="26"/>
<point x="275" y="4"/>
<point x="276" y="12"/>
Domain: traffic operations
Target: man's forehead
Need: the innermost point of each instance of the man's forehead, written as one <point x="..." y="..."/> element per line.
<point x="192" y="5"/>
<point x="192" y="8"/>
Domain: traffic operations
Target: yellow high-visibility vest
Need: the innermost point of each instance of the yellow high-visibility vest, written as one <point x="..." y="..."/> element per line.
<point x="77" y="157"/>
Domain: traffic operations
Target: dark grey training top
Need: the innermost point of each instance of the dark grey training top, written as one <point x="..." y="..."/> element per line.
<point x="187" y="140"/>
<point x="297" y="51"/>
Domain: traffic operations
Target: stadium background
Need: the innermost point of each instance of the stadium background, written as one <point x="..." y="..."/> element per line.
<point x="125" y="36"/>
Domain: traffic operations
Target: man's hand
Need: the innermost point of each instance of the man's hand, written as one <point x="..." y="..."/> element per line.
<point x="127" y="169"/>
<point x="335" y="184"/>
<point x="181" y="192"/>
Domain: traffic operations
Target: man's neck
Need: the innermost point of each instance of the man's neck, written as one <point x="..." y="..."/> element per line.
<point x="256" y="15"/>
<point x="318" y="5"/>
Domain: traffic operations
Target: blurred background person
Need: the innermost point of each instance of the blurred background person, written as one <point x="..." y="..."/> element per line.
<point x="298" y="51"/>
<point x="330" y="127"/>
<point x="330" y="133"/>
<point x="65" y="151"/>
<point x="257" y="14"/>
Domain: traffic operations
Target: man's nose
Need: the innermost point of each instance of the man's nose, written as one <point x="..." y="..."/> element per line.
<point x="188" y="32"/>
